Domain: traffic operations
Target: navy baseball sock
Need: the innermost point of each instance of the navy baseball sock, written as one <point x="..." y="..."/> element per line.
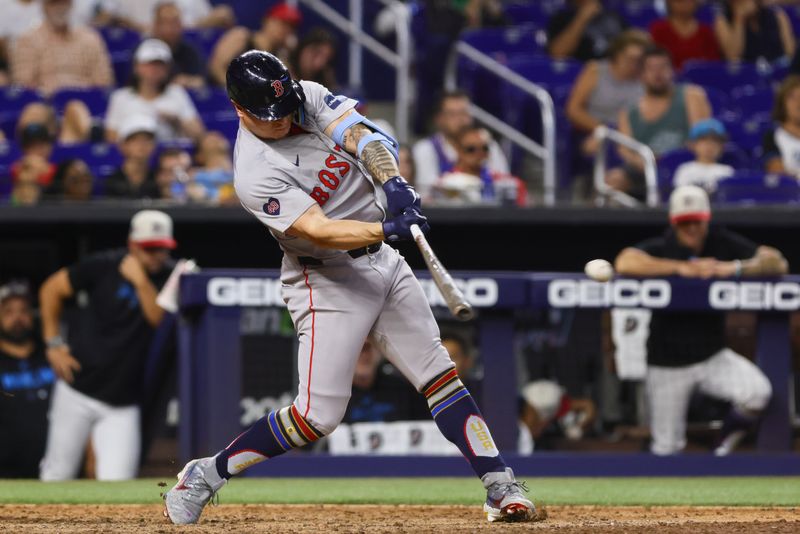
<point x="460" y="421"/>
<point x="270" y="436"/>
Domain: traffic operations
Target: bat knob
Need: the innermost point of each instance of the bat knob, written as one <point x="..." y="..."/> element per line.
<point x="465" y="312"/>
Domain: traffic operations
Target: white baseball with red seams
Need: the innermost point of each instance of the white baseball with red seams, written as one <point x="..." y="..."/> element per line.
<point x="337" y="305"/>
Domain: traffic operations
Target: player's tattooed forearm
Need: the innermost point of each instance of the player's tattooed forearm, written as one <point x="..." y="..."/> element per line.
<point x="378" y="160"/>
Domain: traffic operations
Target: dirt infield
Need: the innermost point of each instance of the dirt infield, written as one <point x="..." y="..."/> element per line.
<point x="31" y="519"/>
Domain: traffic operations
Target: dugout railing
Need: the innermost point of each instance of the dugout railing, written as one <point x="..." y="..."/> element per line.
<point x="211" y="372"/>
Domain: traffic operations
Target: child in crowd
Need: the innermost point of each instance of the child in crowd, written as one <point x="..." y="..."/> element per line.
<point x="707" y="142"/>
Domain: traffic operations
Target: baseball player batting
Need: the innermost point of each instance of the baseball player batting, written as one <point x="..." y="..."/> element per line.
<point x="306" y="165"/>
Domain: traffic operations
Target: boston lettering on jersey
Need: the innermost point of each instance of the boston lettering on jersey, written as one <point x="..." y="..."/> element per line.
<point x="328" y="177"/>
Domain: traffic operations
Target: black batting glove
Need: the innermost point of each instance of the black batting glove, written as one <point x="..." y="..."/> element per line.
<point x="400" y="195"/>
<point x="399" y="228"/>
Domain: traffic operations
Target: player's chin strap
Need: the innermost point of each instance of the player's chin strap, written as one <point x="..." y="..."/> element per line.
<point x="377" y="134"/>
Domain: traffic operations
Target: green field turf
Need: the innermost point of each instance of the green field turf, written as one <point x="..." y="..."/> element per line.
<point x="778" y="491"/>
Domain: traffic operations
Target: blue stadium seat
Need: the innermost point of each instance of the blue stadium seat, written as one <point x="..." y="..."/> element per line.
<point x="102" y="158"/>
<point x="9" y="153"/>
<point x="758" y="188"/>
<point x="748" y="132"/>
<point x="751" y="102"/>
<point x="225" y="123"/>
<point x="121" y="43"/>
<point x="546" y="72"/>
<point x="719" y="101"/>
<point x="119" y="39"/>
<point x="505" y="43"/>
<point x="203" y="39"/>
<point x="532" y="12"/>
<point x="95" y="98"/>
<point x="210" y="99"/>
<point x="723" y="76"/>
<point x="14" y="98"/>
<point x="639" y="14"/>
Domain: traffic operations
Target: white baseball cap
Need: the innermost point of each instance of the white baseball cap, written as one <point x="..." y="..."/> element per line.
<point x="134" y="124"/>
<point x="545" y="396"/>
<point x="689" y="203"/>
<point x="152" y="229"/>
<point x="153" y="50"/>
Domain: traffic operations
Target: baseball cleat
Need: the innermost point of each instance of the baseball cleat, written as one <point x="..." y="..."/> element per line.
<point x="504" y="498"/>
<point x="198" y="482"/>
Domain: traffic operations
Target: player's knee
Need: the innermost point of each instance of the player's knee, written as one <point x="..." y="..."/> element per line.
<point x="328" y="416"/>
<point x="757" y="395"/>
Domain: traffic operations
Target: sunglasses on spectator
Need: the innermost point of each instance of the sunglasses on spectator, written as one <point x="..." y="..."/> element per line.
<point x="471" y="149"/>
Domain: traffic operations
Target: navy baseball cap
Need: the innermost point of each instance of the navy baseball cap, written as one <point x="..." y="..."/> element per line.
<point x="708" y="127"/>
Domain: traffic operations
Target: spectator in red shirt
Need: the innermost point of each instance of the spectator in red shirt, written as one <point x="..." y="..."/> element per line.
<point x="683" y="35"/>
<point x="36" y="141"/>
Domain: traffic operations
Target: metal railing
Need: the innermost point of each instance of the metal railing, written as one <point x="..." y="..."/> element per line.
<point x="604" y="134"/>
<point x="400" y="60"/>
<point x="547" y="150"/>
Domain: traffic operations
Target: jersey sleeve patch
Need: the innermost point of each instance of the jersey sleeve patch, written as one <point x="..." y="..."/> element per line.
<point x="272" y="206"/>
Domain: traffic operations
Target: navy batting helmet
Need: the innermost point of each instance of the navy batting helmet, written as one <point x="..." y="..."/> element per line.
<point x="260" y="84"/>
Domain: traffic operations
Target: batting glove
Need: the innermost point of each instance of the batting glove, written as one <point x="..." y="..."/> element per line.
<point x="399" y="228"/>
<point x="400" y="195"/>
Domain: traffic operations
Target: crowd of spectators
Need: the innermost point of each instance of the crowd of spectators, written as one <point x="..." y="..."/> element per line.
<point x="651" y="53"/>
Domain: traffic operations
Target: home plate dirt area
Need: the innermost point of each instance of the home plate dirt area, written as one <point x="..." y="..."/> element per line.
<point x="58" y="518"/>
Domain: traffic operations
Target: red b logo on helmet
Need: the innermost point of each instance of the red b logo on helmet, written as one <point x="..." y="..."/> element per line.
<point x="278" y="86"/>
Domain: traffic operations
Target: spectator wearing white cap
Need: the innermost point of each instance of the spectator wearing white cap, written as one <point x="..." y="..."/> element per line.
<point x="188" y="66"/>
<point x="136" y="177"/>
<point x="57" y="55"/>
<point x="100" y="363"/>
<point x="152" y="93"/>
<point x="686" y="351"/>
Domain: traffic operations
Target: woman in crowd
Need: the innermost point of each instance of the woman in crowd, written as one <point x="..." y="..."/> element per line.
<point x="151" y="93"/>
<point x="314" y="58"/>
<point x="748" y="30"/>
<point x="605" y="87"/>
<point x="684" y="35"/>
<point x="781" y="145"/>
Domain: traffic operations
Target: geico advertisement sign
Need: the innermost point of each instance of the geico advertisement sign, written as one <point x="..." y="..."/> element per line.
<point x="223" y="291"/>
<point x="655" y="293"/>
<point x="779" y="296"/>
<point x="619" y="293"/>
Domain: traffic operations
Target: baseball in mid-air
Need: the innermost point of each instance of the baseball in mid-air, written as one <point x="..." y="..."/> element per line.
<point x="599" y="270"/>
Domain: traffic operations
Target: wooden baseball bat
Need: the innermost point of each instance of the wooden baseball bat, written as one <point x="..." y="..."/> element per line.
<point x="453" y="296"/>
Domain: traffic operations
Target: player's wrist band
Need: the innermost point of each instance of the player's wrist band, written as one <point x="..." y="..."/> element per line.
<point x="738" y="271"/>
<point x="55" y="342"/>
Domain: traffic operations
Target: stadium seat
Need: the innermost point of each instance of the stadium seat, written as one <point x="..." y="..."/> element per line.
<point x="546" y="72"/>
<point x="210" y="99"/>
<point x="14" y="98"/>
<point x="719" y="100"/>
<point x="9" y="153"/>
<point x="121" y="43"/>
<point x="103" y="159"/>
<point x="225" y="123"/>
<point x="505" y="43"/>
<point x="748" y="132"/>
<point x="119" y="39"/>
<point x="758" y="188"/>
<point x="752" y="102"/>
<point x="95" y="98"/>
<point x="203" y="39"/>
<point x="723" y="76"/>
<point x="640" y="14"/>
<point x="538" y="13"/>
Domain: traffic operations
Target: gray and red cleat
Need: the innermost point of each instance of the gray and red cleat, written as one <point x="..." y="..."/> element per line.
<point x="505" y="500"/>
<point x="198" y="482"/>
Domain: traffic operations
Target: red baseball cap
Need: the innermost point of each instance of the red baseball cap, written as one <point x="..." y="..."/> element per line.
<point x="286" y="13"/>
<point x="152" y="229"/>
<point x="689" y="203"/>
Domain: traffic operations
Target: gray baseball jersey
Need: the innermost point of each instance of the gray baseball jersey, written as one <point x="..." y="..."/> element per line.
<point x="334" y="306"/>
<point x="278" y="180"/>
